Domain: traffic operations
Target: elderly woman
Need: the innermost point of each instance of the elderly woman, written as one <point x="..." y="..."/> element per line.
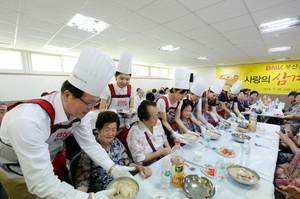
<point x="186" y="113"/>
<point x="146" y="139"/>
<point x="288" y="174"/>
<point x="90" y="177"/>
<point x="293" y="116"/>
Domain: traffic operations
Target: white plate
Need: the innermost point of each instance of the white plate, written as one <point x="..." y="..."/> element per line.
<point x="218" y="150"/>
<point x="204" y="168"/>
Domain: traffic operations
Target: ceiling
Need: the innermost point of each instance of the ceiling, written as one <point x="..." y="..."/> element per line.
<point x="224" y="30"/>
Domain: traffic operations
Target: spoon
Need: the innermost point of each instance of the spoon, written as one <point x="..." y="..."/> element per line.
<point x="190" y="167"/>
<point x="259" y="136"/>
<point x="266" y="147"/>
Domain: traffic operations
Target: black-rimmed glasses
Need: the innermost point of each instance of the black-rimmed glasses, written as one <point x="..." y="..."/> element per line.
<point x="89" y="104"/>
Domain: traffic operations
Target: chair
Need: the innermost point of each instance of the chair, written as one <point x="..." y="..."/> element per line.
<point x="73" y="168"/>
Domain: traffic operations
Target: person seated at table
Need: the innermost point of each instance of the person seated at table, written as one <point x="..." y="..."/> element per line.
<point x="238" y="105"/>
<point x="150" y="96"/>
<point x="291" y="97"/>
<point x="293" y="117"/>
<point x="206" y="114"/>
<point x="292" y="190"/>
<point x="186" y="112"/>
<point x="286" y="154"/>
<point x="3" y="110"/>
<point x="146" y="139"/>
<point x="251" y="98"/>
<point x="90" y="177"/>
<point x="288" y="174"/>
<point x="246" y="104"/>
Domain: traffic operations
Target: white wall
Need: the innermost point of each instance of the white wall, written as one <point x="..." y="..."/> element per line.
<point x="209" y="74"/>
<point x="23" y="87"/>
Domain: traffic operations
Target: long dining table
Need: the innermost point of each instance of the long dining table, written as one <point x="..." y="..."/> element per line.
<point x="262" y="160"/>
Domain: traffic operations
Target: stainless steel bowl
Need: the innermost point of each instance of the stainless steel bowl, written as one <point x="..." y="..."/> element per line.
<point x="232" y="172"/>
<point x="116" y="182"/>
<point x="227" y="125"/>
<point x="196" y="186"/>
<point x="215" y="135"/>
<point x="240" y="137"/>
<point x="190" y="140"/>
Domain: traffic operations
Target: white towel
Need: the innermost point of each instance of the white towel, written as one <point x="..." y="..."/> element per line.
<point x="262" y="190"/>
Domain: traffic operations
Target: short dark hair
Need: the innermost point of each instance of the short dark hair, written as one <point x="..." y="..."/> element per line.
<point x="154" y="90"/>
<point x="44" y="93"/>
<point x="166" y="89"/>
<point x="150" y="96"/>
<point x="107" y="117"/>
<point x="118" y="73"/>
<point x="185" y="103"/>
<point x="253" y="92"/>
<point x="143" y="112"/>
<point x="75" y="91"/>
<point x="138" y="89"/>
<point x="292" y="93"/>
<point x="161" y="92"/>
<point x="297" y="94"/>
<point x="173" y="90"/>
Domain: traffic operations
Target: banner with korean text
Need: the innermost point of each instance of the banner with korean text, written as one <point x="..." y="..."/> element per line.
<point x="280" y="77"/>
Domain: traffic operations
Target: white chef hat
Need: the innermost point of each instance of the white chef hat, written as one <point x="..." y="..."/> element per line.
<point x="199" y="86"/>
<point x="217" y="86"/>
<point x="92" y="72"/>
<point x="182" y="78"/>
<point x="236" y="87"/>
<point x="125" y="63"/>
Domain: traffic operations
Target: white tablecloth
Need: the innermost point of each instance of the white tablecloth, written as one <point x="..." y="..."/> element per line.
<point x="263" y="160"/>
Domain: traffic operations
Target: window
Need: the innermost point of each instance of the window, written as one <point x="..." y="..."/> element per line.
<point x="11" y="60"/>
<point x="69" y="63"/>
<point x="164" y="72"/>
<point x="135" y="71"/>
<point x="46" y="63"/>
<point x="155" y="72"/>
<point x="143" y="71"/>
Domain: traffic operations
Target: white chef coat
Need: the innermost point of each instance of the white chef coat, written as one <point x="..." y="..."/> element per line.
<point x="27" y="129"/>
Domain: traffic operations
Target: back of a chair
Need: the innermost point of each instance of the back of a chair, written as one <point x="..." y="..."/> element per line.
<point x="73" y="168"/>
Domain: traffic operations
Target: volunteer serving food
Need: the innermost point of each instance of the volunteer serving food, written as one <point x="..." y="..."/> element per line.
<point x="226" y="99"/>
<point x="33" y="136"/>
<point x="167" y="104"/>
<point x="211" y="95"/>
<point x="119" y="96"/>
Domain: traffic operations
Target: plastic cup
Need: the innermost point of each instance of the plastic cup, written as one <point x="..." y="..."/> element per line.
<point x="236" y="147"/>
<point x="229" y="162"/>
<point x="198" y="155"/>
<point x="234" y="125"/>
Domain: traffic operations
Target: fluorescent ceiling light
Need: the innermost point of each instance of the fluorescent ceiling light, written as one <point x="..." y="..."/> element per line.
<point x="203" y="58"/>
<point x="221" y="64"/>
<point x="169" y="48"/>
<point x="283" y="48"/>
<point x="159" y="63"/>
<point x="279" y="25"/>
<point x="87" y="23"/>
<point x="280" y="59"/>
<point x="55" y="48"/>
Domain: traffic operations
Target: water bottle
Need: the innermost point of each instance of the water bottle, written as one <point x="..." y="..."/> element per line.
<point x="207" y="138"/>
<point x="252" y="121"/>
<point x="220" y="171"/>
<point x="165" y="178"/>
<point x="177" y="162"/>
<point x="245" y="153"/>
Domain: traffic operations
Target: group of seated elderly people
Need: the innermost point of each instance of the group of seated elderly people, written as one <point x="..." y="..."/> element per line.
<point x="146" y="140"/>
